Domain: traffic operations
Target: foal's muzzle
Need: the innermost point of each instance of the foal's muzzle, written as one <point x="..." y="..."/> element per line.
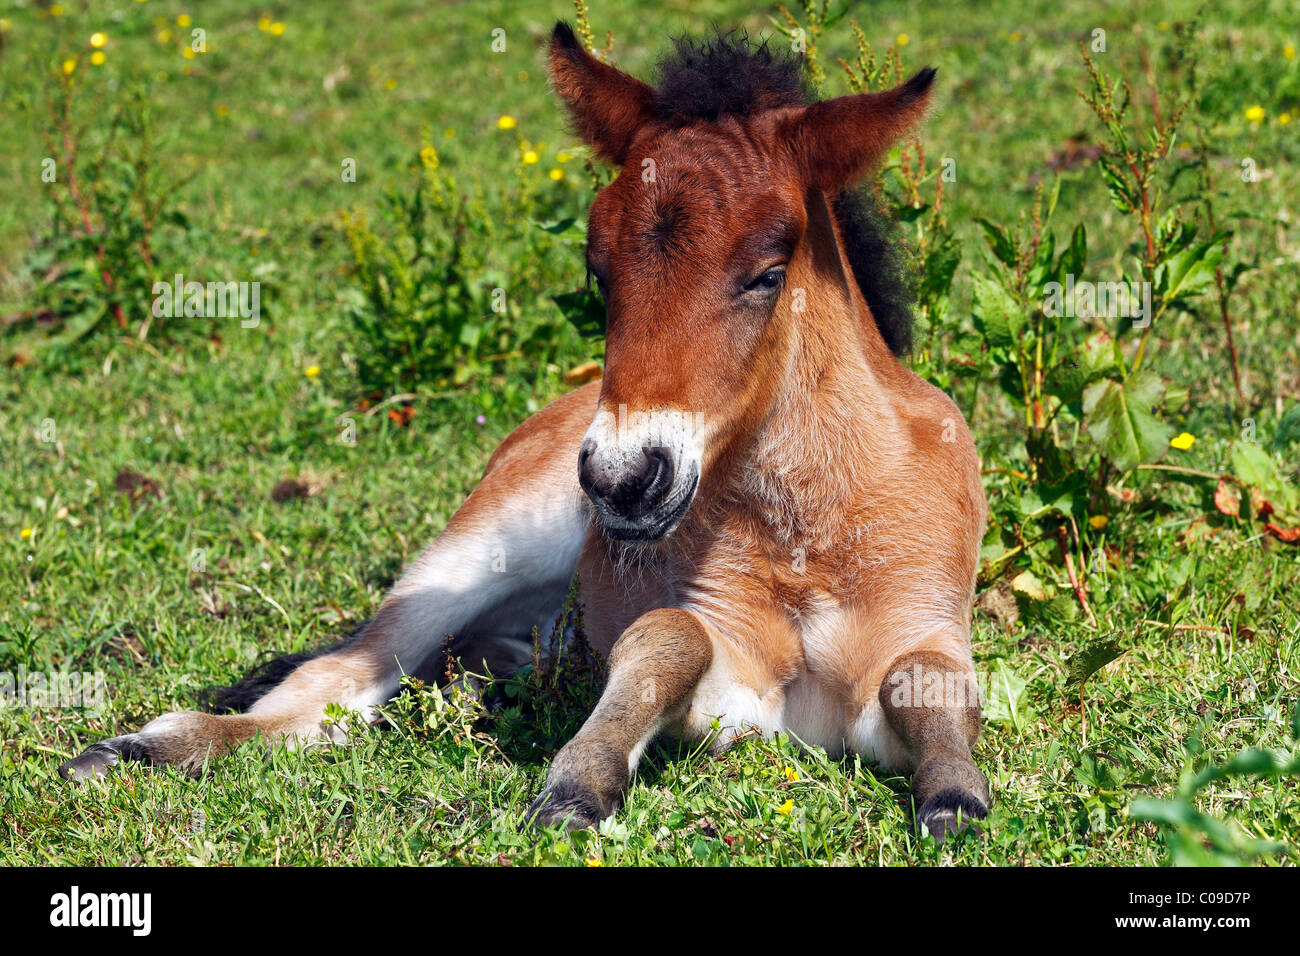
<point x="638" y="500"/>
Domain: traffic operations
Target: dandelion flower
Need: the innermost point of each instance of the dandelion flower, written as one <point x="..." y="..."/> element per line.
<point x="25" y="533"/>
<point x="562" y="157"/>
<point x="556" y="174"/>
<point x="595" y="861"/>
<point x="1255" y="114"/>
<point x="312" y="371"/>
<point x="277" y="29"/>
<point x="69" y="65"/>
<point x="98" y="58"/>
<point x="97" y="40"/>
<point x="507" y="122"/>
<point x="1097" y="522"/>
<point x="183" y="20"/>
<point x="1283" y="118"/>
<point x="56" y="11"/>
<point x="1016" y="36"/>
<point x="223" y="109"/>
<point x="903" y="39"/>
<point x="163" y="36"/>
<point x="390" y="84"/>
<point x="264" y="24"/>
<point x="1288" y="51"/>
<point x="188" y="53"/>
<point x="786" y="808"/>
<point x="1183" y="442"/>
<point x="531" y="157"/>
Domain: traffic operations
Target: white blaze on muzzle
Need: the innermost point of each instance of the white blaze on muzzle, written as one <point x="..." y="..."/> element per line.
<point x="625" y="464"/>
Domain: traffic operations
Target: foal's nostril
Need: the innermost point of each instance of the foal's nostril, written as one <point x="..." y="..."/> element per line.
<point x="630" y="493"/>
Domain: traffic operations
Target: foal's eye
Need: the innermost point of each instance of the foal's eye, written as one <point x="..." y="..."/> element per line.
<point x="768" y="282"/>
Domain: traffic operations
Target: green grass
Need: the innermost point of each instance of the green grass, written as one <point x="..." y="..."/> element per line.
<point x="107" y="583"/>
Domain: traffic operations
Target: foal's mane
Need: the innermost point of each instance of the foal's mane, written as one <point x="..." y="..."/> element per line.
<point x="727" y="75"/>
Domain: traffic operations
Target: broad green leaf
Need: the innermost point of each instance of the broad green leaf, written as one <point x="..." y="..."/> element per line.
<point x="999" y="242"/>
<point x="1094" y="359"/>
<point x="1086" y="662"/>
<point x="1120" y="419"/>
<point x="1190" y="270"/>
<point x="1005" y="702"/>
<point x="1075" y="257"/>
<point x="997" y="315"/>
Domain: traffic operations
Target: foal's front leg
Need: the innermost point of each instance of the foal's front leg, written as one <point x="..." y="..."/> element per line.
<point x="652" y="668"/>
<point x="930" y="701"/>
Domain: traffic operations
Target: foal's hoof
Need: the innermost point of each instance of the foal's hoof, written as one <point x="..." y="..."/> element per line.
<point x="92" y="762"/>
<point x="949" y="812"/>
<point x="568" y="805"/>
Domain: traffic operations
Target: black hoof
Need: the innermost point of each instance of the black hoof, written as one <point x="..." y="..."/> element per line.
<point x="568" y="805"/>
<point x="949" y="812"/>
<point x="93" y="762"/>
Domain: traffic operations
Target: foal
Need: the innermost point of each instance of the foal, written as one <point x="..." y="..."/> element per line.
<point x="774" y="522"/>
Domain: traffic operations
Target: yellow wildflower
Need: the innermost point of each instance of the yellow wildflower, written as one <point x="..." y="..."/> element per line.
<point x="183" y="20"/>
<point x="562" y="157"/>
<point x="69" y="65"/>
<point x="507" y="122"/>
<point x="1016" y="36"/>
<point x="449" y="132"/>
<point x="163" y="36"/>
<point x="1283" y="118"/>
<point x="97" y="40"/>
<point x="5" y="24"/>
<point x="312" y="371"/>
<point x="557" y="174"/>
<point x="264" y="24"/>
<point x="188" y="53"/>
<point x="429" y="156"/>
<point x="1183" y="442"/>
<point x="98" y="58"/>
<point x="1288" y="51"/>
<point x="56" y="11"/>
<point x="277" y="29"/>
<point x="1098" y="522"/>
<point x="1255" y="114"/>
<point x="786" y="808"/>
<point x="531" y="157"/>
<point x="595" y="861"/>
<point x="791" y="775"/>
<point x="903" y="39"/>
<point x="25" y="533"/>
<point x="390" y="84"/>
<point x="223" y="109"/>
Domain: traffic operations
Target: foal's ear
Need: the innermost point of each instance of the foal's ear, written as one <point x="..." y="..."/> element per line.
<point x="836" y="141"/>
<point x="608" y="107"/>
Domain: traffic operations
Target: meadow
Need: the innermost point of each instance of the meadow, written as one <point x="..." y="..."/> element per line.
<point x="182" y="496"/>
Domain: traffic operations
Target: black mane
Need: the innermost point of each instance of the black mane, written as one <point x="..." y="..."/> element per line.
<point x="727" y="75"/>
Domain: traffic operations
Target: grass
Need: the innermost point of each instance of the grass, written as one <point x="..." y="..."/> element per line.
<point x="170" y="591"/>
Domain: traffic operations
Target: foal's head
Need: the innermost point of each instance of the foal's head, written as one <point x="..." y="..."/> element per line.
<point x="712" y="249"/>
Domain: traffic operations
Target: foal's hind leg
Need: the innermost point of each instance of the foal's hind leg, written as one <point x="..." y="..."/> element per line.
<point x="502" y="565"/>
